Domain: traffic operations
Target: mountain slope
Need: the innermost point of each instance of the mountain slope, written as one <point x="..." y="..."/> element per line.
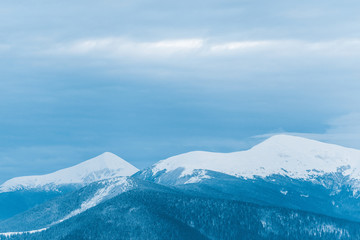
<point x="64" y="207"/>
<point x="153" y="213"/>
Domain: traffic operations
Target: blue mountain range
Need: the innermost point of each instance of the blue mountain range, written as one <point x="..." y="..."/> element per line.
<point x="284" y="188"/>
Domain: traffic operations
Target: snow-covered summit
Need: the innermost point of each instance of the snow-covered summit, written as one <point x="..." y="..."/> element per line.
<point x="287" y="155"/>
<point x="104" y="166"/>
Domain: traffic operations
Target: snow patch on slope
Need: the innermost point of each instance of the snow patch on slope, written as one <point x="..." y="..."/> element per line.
<point x="198" y="178"/>
<point x="283" y="192"/>
<point x="120" y="184"/>
<point x="104" y="166"/>
<point x="9" y="234"/>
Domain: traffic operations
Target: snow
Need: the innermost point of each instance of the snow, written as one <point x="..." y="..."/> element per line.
<point x="286" y="155"/>
<point x="330" y="228"/>
<point x="195" y="179"/>
<point x="9" y="234"/>
<point x="104" y="166"/>
<point x="122" y="185"/>
<point x="284" y="192"/>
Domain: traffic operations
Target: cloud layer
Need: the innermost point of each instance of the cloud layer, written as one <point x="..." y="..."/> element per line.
<point x="119" y="47"/>
<point x="150" y="80"/>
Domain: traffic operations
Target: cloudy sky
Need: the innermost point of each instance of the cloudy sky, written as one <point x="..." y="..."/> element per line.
<point x="151" y="79"/>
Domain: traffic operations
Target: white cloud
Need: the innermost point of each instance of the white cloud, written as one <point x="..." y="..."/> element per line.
<point x="176" y="44"/>
<point x="338" y="47"/>
<point x="118" y="47"/>
<point x="244" y="45"/>
<point x="199" y="47"/>
<point x="335" y="47"/>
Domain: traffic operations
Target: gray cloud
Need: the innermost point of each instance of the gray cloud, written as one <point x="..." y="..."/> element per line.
<point x="148" y="80"/>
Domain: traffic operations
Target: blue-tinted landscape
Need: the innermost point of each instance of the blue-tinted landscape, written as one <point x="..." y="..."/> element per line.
<point x="179" y="119"/>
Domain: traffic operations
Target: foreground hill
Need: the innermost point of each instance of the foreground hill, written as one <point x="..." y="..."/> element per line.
<point x="156" y="212"/>
<point x="64" y="207"/>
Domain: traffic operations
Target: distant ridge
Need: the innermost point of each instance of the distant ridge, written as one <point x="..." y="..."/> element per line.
<point x="106" y="165"/>
<point x="286" y="155"/>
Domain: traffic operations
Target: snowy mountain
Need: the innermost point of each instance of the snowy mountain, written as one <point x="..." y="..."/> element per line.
<point x="285" y="155"/>
<point x="106" y="165"/>
<point x="284" y="188"/>
<point x="22" y="193"/>
<point x="284" y="171"/>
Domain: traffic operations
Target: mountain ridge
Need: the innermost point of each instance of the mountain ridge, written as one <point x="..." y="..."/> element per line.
<point x="287" y="155"/>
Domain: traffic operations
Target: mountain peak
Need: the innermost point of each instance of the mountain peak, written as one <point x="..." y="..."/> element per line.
<point x="283" y="142"/>
<point x="285" y="139"/>
<point x="107" y="155"/>
<point x="106" y="165"/>
<point x="106" y="159"/>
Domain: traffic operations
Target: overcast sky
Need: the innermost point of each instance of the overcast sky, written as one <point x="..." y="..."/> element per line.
<point x="150" y="79"/>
